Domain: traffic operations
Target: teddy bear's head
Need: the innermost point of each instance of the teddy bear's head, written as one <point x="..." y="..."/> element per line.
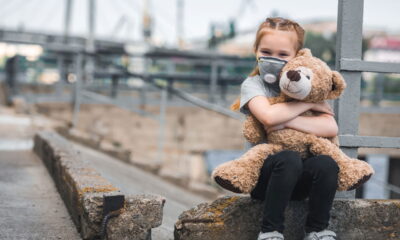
<point x="309" y="79"/>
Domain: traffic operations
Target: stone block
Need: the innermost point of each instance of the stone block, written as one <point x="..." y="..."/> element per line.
<point x="238" y="217"/>
<point x="83" y="189"/>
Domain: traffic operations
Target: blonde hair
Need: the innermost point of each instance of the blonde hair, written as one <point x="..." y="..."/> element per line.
<point x="276" y="23"/>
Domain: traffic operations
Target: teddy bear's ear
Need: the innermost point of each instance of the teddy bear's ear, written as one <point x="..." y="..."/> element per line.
<point x="338" y="85"/>
<point x="304" y="52"/>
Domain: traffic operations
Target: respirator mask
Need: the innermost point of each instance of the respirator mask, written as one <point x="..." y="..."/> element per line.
<point x="270" y="68"/>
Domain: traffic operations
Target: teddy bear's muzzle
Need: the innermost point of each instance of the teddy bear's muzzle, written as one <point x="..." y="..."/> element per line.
<point x="293" y="75"/>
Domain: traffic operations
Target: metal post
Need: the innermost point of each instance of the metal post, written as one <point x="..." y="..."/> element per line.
<point x="61" y="73"/>
<point x="213" y="81"/>
<point x="373" y="189"/>
<point x="224" y="89"/>
<point x="61" y="60"/>
<point x="171" y="69"/>
<point x="90" y="45"/>
<point x="143" y="89"/>
<point x="378" y="91"/>
<point x="77" y="89"/>
<point x="114" y="86"/>
<point x="348" y="45"/>
<point x="67" y="20"/>
<point x="161" y="136"/>
<point x="179" y="22"/>
<point x="12" y="78"/>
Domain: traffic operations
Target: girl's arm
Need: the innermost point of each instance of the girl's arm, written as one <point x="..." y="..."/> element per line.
<point x="323" y="125"/>
<point x="271" y="115"/>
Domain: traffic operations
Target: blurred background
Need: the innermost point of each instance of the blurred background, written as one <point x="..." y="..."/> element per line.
<point x="150" y="82"/>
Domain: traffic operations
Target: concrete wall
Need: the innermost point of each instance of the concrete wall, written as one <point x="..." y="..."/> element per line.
<point x="189" y="132"/>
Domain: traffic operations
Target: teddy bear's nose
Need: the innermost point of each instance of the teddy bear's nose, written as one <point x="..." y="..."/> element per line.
<point x="293" y="75"/>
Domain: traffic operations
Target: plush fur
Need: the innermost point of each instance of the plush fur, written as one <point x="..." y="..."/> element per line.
<point x="311" y="80"/>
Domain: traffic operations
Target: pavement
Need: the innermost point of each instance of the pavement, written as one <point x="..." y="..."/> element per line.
<point x="30" y="206"/>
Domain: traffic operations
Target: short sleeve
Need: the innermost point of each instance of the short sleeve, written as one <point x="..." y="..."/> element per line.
<point x="251" y="87"/>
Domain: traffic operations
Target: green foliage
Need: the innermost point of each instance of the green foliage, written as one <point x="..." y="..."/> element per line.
<point x="391" y="83"/>
<point x="321" y="47"/>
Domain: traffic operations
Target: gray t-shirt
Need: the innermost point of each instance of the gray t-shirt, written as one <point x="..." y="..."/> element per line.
<point x="255" y="86"/>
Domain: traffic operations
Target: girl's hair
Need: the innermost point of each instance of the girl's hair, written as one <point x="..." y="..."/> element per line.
<point x="276" y="23"/>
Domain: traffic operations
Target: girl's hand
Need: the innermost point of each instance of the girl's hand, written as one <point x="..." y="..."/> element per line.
<point x="323" y="107"/>
<point x="274" y="128"/>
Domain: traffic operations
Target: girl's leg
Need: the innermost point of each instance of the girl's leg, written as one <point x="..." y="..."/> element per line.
<point x="321" y="172"/>
<point x="277" y="180"/>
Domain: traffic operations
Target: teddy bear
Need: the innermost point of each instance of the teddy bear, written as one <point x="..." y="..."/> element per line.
<point x="311" y="80"/>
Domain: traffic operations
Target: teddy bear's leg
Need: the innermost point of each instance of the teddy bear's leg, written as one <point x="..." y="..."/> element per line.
<point x="352" y="172"/>
<point x="241" y="175"/>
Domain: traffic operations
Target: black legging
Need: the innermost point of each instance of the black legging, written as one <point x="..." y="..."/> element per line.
<point x="285" y="176"/>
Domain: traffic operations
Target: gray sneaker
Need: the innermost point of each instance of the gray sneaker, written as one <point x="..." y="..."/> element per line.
<point x="275" y="235"/>
<point x="323" y="235"/>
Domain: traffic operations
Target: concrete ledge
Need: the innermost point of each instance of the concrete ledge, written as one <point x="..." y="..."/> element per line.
<point x="83" y="189"/>
<point x="240" y="218"/>
<point x="95" y="142"/>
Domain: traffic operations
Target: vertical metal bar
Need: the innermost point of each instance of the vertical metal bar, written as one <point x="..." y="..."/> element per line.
<point x="171" y="69"/>
<point x="114" y="86"/>
<point x="61" y="73"/>
<point x="77" y="89"/>
<point x="348" y="45"/>
<point x="142" y="96"/>
<point x="378" y="91"/>
<point x="213" y="81"/>
<point x="67" y="20"/>
<point x="143" y="89"/>
<point x="373" y="189"/>
<point x="224" y="89"/>
<point x="161" y="136"/>
<point x="90" y="44"/>
<point x="91" y="30"/>
<point x="179" y="23"/>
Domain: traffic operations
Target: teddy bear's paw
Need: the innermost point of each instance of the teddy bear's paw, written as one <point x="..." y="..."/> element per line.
<point x="360" y="182"/>
<point x="227" y="176"/>
<point x="228" y="185"/>
<point x="356" y="174"/>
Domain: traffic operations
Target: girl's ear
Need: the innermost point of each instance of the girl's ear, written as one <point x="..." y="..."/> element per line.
<point x="304" y="52"/>
<point x="338" y="85"/>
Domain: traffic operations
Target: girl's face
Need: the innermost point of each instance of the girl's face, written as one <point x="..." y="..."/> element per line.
<point x="278" y="44"/>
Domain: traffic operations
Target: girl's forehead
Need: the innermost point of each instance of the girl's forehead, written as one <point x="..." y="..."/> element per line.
<point x="278" y="38"/>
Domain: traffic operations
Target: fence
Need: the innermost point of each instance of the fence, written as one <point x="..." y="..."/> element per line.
<point x="350" y="65"/>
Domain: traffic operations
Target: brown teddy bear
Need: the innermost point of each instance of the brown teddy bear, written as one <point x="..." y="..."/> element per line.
<point x="311" y="80"/>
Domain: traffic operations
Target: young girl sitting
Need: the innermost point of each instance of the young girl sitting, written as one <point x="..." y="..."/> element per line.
<point x="285" y="176"/>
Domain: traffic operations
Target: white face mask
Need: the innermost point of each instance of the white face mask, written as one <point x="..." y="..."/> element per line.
<point x="270" y="68"/>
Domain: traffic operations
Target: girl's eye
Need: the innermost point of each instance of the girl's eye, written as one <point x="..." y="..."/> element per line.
<point x="284" y="54"/>
<point x="266" y="52"/>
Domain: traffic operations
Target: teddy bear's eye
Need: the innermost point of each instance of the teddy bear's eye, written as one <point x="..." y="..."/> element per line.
<point x="308" y="77"/>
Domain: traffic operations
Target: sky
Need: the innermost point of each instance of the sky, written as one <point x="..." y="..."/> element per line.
<point x="48" y="15"/>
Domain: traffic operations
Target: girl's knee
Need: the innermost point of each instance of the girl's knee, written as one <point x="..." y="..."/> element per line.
<point x="324" y="164"/>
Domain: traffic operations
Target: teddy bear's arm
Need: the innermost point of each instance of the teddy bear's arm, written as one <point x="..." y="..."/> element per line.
<point x="253" y="130"/>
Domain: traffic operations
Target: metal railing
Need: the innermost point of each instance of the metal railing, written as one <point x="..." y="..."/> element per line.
<point x="350" y="64"/>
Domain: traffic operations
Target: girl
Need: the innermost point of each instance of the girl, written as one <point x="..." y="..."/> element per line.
<point x="285" y="176"/>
